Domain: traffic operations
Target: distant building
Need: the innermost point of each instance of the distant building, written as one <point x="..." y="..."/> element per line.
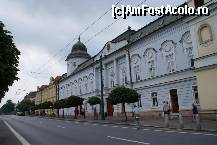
<point x="31" y="96"/>
<point x="159" y="56"/>
<point x="47" y="93"/>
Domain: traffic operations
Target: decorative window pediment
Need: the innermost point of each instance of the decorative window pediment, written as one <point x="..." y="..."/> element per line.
<point x="205" y="34"/>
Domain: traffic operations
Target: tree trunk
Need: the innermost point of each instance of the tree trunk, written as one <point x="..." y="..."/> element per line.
<point x="63" y="113"/>
<point x="58" y="114"/>
<point x="125" y="114"/>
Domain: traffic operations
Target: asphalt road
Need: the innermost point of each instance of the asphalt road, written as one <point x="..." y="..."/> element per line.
<point x="41" y="131"/>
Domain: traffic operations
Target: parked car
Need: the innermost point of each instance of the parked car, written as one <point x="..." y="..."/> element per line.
<point x="20" y="114"/>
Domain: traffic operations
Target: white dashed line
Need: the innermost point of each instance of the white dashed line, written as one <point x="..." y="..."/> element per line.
<point x="124" y="127"/>
<point x="128" y="140"/>
<point x="170" y="131"/>
<point x="210" y="134"/>
<point x="146" y="129"/>
<point x="135" y="128"/>
<point x="158" y="130"/>
<point x="114" y="126"/>
<point x="196" y="133"/>
<point x="105" y="125"/>
<point x="182" y="132"/>
<point x="95" y="124"/>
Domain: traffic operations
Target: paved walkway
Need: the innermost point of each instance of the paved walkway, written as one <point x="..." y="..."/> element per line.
<point x="206" y="125"/>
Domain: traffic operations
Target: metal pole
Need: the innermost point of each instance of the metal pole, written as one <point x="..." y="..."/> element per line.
<point x="102" y="86"/>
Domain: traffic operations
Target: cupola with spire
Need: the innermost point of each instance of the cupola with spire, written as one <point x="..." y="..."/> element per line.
<point x="77" y="56"/>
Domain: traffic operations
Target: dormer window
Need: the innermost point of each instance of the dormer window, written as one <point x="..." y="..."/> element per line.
<point x="108" y="46"/>
<point x="74" y="64"/>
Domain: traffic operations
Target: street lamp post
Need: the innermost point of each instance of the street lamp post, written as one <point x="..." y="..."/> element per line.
<point x="102" y="86"/>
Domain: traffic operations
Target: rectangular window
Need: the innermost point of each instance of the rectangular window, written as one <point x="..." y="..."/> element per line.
<point x="154" y="99"/>
<point x="195" y="95"/>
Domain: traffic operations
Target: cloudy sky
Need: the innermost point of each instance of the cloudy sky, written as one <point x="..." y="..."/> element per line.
<point x="44" y="31"/>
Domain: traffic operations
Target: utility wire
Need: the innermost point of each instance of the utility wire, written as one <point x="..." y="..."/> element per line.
<point x="68" y="44"/>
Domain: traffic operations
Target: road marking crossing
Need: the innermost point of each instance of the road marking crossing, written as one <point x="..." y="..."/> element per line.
<point x="128" y="140"/>
<point x="18" y="136"/>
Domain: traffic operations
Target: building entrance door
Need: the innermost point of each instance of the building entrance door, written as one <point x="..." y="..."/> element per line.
<point x="174" y="101"/>
<point x="110" y="109"/>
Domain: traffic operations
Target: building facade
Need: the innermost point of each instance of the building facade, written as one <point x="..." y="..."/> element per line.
<point x="205" y="57"/>
<point x="47" y="93"/>
<point x="155" y="60"/>
<point x="31" y="96"/>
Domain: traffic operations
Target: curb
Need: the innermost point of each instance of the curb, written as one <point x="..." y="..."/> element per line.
<point x="128" y="124"/>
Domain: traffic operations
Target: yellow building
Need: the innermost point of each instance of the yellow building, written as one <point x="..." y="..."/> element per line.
<point x="204" y="30"/>
<point x="47" y="93"/>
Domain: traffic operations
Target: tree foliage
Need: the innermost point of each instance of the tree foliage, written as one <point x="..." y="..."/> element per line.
<point x="25" y="105"/>
<point x="123" y="95"/>
<point x="74" y="101"/>
<point x="60" y="104"/>
<point x="46" y="105"/>
<point x="94" y="100"/>
<point x="9" y="59"/>
<point x="8" y="107"/>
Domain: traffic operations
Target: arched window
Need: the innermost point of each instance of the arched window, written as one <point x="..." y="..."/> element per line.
<point x="168" y="50"/>
<point x="150" y="57"/>
<point x="205" y="34"/>
<point x="136" y="60"/>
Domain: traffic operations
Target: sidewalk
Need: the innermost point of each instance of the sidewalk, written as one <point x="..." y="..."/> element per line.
<point x="206" y="125"/>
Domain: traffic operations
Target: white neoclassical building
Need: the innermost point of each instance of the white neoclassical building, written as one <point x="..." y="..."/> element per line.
<point x="155" y="60"/>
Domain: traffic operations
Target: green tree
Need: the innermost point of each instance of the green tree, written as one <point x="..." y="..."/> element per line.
<point x="60" y="104"/>
<point x="9" y="59"/>
<point x="8" y="107"/>
<point x="93" y="100"/>
<point x="74" y="101"/>
<point x="25" y="105"/>
<point x="122" y="95"/>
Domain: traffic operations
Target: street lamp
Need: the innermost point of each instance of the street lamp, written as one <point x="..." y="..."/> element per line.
<point x="102" y="86"/>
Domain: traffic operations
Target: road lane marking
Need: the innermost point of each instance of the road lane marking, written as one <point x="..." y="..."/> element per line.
<point x="18" y="136"/>
<point x="210" y="134"/>
<point x="196" y="133"/>
<point x="125" y="127"/>
<point x="115" y="126"/>
<point x="128" y="140"/>
<point x="170" y="131"/>
<point x="105" y="125"/>
<point x="158" y="130"/>
<point x="182" y="132"/>
<point x="95" y="124"/>
<point x="146" y="129"/>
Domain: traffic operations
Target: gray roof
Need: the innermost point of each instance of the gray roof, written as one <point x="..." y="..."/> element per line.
<point x="78" y="50"/>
